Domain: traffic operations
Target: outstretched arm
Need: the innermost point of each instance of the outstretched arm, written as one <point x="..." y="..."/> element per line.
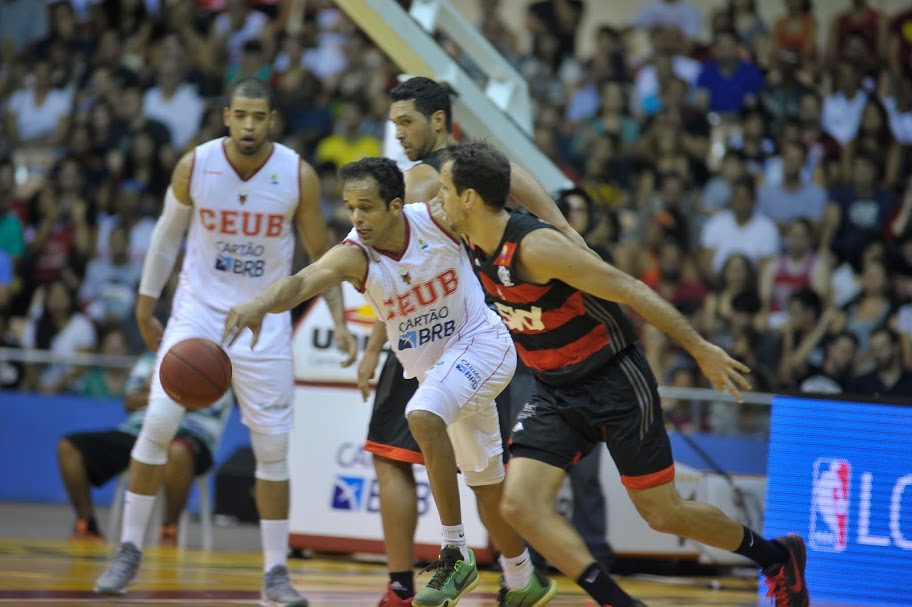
<point x="343" y="262"/>
<point x="529" y="193"/>
<point x="546" y="256"/>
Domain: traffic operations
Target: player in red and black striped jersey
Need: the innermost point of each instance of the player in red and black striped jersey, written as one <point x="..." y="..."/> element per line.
<point x="561" y="304"/>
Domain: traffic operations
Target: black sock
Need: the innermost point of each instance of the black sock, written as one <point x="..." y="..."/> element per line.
<point x="761" y="551"/>
<point x="597" y="582"/>
<point x="403" y="584"/>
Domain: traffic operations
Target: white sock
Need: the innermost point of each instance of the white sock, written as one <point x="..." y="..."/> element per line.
<point x="454" y="536"/>
<point x="136" y="513"/>
<point x="275" y="543"/>
<point x="517" y="570"/>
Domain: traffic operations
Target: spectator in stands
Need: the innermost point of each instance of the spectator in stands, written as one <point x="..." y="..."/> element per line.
<point x="842" y="108"/>
<point x="870" y="309"/>
<point x="109" y="289"/>
<point x="739" y="230"/>
<point x="780" y="98"/>
<point x="858" y="211"/>
<point x="737" y="276"/>
<point x="742" y="337"/>
<point x="888" y="378"/>
<point x="728" y="84"/>
<point x="674" y="279"/>
<point x="859" y="24"/>
<point x="38" y="113"/>
<point x="12" y="238"/>
<point x="235" y="26"/>
<point x="58" y="326"/>
<point x="22" y="24"/>
<point x="130" y="119"/>
<point x="753" y="142"/>
<point x="93" y="458"/>
<point x="551" y="75"/>
<point x="835" y="375"/>
<point x="899" y="45"/>
<point x="107" y="381"/>
<point x="680" y="14"/>
<point x="824" y="152"/>
<point x="750" y="26"/>
<point x="252" y="64"/>
<point x="174" y="102"/>
<point x="351" y="140"/>
<point x="796" y="196"/>
<point x="898" y="103"/>
<point x="802" y="335"/>
<point x="143" y="166"/>
<point x="561" y="18"/>
<point x="796" y="31"/>
<point x="874" y="139"/>
<point x="797" y="267"/>
<point x="667" y="62"/>
<point x="717" y="191"/>
<point x="127" y="214"/>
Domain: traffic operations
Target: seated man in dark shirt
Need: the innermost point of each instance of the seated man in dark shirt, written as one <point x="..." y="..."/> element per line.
<point x="888" y="378"/>
<point x="834" y="376"/>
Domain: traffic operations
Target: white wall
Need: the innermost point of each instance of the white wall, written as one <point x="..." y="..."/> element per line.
<point x="619" y="12"/>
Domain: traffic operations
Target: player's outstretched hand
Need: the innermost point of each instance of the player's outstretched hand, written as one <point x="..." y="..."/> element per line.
<point x="725" y="373"/>
<point x="247" y="315"/>
<point x="366" y="371"/>
<point x="347" y="344"/>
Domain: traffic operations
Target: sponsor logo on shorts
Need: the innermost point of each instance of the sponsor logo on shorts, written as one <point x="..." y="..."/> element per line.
<point x="470" y="372"/>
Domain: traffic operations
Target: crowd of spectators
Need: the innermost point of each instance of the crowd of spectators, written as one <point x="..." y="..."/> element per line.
<point x="759" y="180"/>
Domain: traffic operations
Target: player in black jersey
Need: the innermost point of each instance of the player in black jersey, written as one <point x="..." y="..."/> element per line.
<point x="422" y="113"/>
<point x="594" y="385"/>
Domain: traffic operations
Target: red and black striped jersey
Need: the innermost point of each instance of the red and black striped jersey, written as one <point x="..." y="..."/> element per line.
<point x="561" y="333"/>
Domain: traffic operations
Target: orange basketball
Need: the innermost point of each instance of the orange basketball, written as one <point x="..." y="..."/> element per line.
<point x="195" y="373"/>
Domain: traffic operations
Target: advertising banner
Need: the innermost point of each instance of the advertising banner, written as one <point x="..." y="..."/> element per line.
<point x="840" y="476"/>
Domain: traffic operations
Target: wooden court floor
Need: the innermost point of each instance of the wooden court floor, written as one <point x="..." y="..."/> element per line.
<point x="60" y="573"/>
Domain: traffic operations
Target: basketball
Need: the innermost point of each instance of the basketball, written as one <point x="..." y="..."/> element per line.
<point x="195" y="373"/>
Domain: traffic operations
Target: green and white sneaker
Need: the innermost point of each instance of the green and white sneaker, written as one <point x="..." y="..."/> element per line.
<point x="538" y="592"/>
<point x="454" y="576"/>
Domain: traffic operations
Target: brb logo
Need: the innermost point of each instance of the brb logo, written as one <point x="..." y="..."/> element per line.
<point x="354" y="489"/>
<point x="348" y="493"/>
<point x="830" y="505"/>
<point x="240" y="258"/>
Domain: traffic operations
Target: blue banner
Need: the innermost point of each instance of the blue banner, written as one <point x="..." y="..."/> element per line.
<point x="840" y="476"/>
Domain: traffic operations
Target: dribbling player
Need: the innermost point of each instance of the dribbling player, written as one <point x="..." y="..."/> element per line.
<point x="417" y="277"/>
<point x="242" y="197"/>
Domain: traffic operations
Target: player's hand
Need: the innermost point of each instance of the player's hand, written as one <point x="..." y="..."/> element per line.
<point x="366" y="372"/>
<point x="347" y="344"/>
<point x="725" y="373"/>
<point x="149" y="327"/>
<point x="246" y="315"/>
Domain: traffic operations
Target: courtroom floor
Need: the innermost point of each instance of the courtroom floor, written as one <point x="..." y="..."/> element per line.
<point x="36" y="570"/>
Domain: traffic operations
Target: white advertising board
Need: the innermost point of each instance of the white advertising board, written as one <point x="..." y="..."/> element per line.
<point x="334" y="491"/>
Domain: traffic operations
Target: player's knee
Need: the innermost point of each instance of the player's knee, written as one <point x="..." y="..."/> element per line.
<point x="425" y="424"/>
<point x="65" y="448"/>
<point x="517" y="510"/>
<point x="163" y="416"/>
<point x="271" y="453"/>
<point x="659" y="517"/>
<point x="492" y="475"/>
<point x="179" y="453"/>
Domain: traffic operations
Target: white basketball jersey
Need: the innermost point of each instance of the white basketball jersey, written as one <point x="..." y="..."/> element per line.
<point x="241" y="236"/>
<point x="429" y="296"/>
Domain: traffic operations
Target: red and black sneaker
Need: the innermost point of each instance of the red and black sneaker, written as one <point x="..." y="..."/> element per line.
<point x="391" y="599"/>
<point x="786" y="581"/>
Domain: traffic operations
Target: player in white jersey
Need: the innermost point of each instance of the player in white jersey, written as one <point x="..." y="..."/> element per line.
<point x="242" y="197"/>
<point x="417" y="277"/>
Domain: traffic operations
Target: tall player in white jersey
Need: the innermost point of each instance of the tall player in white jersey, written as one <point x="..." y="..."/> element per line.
<point x="418" y="279"/>
<point x="242" y="197"/>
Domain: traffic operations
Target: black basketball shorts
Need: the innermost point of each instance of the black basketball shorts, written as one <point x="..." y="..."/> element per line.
<point x="618" y="405"/>
<point x="388" y="434"/>
<point x="107" y="453"/>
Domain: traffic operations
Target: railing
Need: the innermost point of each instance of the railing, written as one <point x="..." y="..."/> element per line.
<point x="86" y="359"/>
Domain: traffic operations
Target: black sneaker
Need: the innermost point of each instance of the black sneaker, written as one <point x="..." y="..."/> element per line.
<point x="786" y="580"/>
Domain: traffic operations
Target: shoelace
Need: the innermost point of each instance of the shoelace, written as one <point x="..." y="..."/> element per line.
<point x="123" y="562"/>
<point x="777" y="588"/>
<point x="445" y="566"/>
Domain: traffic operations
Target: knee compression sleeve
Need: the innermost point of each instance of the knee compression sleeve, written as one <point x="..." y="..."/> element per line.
<point x="163" y="416"/>
<point x="491" y="475"/>
<point x="271" y="452"/>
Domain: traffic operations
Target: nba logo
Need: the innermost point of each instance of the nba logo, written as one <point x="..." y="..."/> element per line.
<point x="830" y="505"/>
<point x="347" y="493"/>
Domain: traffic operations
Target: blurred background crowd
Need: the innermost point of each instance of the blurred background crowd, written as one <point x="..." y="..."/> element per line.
<point x="755" y="177"/>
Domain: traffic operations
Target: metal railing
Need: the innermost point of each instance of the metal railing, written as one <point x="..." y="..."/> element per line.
<point x="86" y="359"/>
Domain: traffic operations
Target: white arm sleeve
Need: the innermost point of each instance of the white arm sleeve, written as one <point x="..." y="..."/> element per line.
<point x="164" y="245"/>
